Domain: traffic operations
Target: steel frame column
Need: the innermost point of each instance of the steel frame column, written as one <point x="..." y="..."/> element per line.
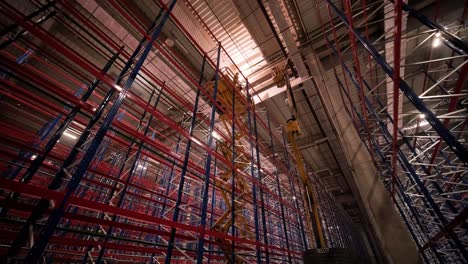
<point x="254" y="187"/>
<point x="184" y="167"/>
<point x="396" y="91"/>
<point x="43" y="204"/>
<point x="283" y="218"/>
<point x="57" y="214"/>
<point x="262" y="201"/>
<point x="206" y="185"/>
<point x="408" y="167"/>
<point x="445" y="134"/>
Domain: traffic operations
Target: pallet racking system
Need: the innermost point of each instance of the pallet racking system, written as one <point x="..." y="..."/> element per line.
<point x="106" y="159"/>
<point x="422" y="157"/>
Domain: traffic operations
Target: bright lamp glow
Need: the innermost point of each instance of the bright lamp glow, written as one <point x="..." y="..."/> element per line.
<point x="216" y="135"/>
<point x="422" y="116"/>
<point x="418" y="124"/>
<point x="69" y="135"/>
<point x="436" y="42"/>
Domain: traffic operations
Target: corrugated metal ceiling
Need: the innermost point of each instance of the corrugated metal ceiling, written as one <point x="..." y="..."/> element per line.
<point x="224" y="21"/>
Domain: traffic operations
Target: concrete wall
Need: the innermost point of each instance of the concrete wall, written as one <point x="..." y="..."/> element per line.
<point x="392" y="235"/>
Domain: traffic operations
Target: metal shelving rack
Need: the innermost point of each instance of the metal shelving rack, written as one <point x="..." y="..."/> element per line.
<point x="104" y="161"/>
<point x="422" y="158"/>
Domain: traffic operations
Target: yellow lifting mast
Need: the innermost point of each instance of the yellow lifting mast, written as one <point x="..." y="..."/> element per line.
<point x="314" y="226"/>
<point x="226" y="99"/>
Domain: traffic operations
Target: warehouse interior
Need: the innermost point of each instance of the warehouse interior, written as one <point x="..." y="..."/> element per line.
<point x="224" y="131"/>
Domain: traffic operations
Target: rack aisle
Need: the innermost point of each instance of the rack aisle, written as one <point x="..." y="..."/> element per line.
<point x="114" y="149"/>
<point x="415" y="112"/>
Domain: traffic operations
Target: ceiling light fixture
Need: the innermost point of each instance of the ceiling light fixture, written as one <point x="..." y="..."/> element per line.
<point x="216" y="135"/>
<point x="422" y="116"/>
<point x="436" y="41"/>
<point x="418" y="124"/>
<point x="169" y="42"/>
<point x="69" y="135"/>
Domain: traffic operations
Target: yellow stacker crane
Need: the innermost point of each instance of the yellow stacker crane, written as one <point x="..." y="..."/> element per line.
<point x="314" y="226"/>
<point x="225" y="99"/>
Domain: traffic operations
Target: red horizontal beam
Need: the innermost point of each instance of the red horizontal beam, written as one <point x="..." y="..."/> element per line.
<point x="100" y="207"/>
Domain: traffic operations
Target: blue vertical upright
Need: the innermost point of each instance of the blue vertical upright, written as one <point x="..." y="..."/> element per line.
<point x="175" y="216"/>
<point x="283" y="218"/>
<point x="233" y="180"/>
<point x="262" y="201"/>
<point x="43" y="204"/>
<point x="254" y="187"/>
<point x="206" y="184"/>
<point x="54" y="219"/>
